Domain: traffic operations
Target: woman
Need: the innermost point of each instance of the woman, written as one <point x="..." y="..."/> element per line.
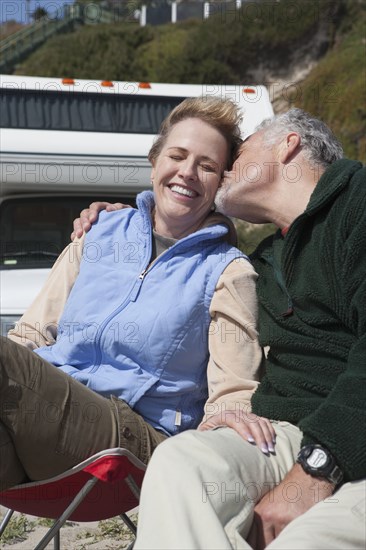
<point x="128" y="314"/>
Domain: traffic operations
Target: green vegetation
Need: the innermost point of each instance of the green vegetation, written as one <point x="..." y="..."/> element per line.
<point x="109" y="529"/>
<point x="39" y="13"/>
<point x="18" y="530"/>
<point x="250" y="235"/>
<point x="336" y="88"/>
<point x="48" y="522"/>
<point x="10" y="27"/>
<point x="226" y="48"/>
<point x="261" y="39"/>
<point x="98" y="52"/>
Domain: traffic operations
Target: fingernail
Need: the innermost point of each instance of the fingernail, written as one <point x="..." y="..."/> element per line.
<point x="264" y="449"/>
<point x="250" y="439"/>
<point x="271" y="448"/>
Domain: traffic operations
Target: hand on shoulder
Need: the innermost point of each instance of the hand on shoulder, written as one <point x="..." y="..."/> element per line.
<point x="90" y="215"/>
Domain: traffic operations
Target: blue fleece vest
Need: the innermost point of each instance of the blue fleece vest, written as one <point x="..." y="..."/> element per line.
<point x="140" y="332"/>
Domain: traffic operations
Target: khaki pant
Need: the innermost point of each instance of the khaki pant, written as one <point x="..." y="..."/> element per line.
<point x="50" y="422"/>
<point x="200" y="489"/>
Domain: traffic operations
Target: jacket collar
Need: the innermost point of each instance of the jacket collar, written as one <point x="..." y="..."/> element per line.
<point x="145" y="204"/>
<point x="331" y="183"/>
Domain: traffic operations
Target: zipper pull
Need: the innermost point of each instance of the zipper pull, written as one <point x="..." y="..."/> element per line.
<point x="136" y="289"/>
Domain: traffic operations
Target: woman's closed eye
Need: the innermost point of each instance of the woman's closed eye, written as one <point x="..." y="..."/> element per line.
<point x="176" y="157"/>
<point x="209" y="167"/>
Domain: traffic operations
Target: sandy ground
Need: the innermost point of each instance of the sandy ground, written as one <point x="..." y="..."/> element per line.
<point x="109" y="534"/>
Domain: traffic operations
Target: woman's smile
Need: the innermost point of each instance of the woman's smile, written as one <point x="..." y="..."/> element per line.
<point x="183" y="190"/>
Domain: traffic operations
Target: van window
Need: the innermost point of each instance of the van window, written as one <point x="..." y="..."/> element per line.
<point x="84" y="112"/>
<point x="35" y="230"/>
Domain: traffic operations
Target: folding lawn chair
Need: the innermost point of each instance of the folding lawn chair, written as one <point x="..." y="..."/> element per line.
<point x="105" y="485"/>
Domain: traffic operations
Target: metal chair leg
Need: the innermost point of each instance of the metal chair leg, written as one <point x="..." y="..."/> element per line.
<point x="67" y="513"/>
<point x="134" y="488"/>
<point x="6" y="520"/>
<point x="56" y="541"/>
<point x="130" y="524"/>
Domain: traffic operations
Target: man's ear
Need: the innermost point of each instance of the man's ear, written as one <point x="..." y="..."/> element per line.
<point x="289" y="147"/>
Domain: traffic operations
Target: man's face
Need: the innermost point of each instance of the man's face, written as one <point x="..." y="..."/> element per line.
<point x="245" y="188"/>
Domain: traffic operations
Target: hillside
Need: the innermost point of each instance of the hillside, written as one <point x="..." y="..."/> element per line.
<point x="247" y="45"/>
<point x="335" y="90"/>
<point x="309" y="53"/>
<point x="9" y="28"/>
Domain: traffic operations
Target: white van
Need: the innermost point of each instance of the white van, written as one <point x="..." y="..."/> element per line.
<point x="65" y="143"/>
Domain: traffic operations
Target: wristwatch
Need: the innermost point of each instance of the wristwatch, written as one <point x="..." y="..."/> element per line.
<point x="319" y="462"/>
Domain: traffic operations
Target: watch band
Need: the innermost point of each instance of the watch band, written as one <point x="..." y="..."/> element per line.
<point x="319" y="462"/>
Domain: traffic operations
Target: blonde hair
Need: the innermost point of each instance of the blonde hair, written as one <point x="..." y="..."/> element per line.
<point x="221" y="114"/>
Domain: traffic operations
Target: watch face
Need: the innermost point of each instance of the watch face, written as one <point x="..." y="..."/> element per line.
<point x="317" y="459"/>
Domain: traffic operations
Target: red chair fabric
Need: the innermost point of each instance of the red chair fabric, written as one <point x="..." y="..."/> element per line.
<point x="117" y="471"/>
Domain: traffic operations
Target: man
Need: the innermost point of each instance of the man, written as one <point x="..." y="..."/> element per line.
<point x="214" y="490"/>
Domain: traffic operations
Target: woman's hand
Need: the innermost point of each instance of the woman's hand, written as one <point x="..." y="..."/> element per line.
<point x="90" y="215"/>
<point x="255" y="429"/>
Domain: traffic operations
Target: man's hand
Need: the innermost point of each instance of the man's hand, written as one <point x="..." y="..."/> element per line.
<point x="90" y="215"/>
<point x="249" y="426"/>
<point x="296" y="494"/>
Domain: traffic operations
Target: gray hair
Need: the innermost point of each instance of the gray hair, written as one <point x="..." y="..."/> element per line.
<point x="319" y="144"/>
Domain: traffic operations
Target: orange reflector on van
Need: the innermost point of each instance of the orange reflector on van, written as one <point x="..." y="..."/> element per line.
<point x="144" y="85"/>
<point x="107" y="83"/>
<point x="249" y="91"/>
<point x="68" y="81"/>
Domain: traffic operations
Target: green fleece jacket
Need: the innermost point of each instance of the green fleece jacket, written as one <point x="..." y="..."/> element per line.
<point x="312" y="296"/>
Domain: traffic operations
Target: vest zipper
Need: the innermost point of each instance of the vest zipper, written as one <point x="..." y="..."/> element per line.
<point x="106" y="321"/>
<point x="137" y="287"/>
<point x="133" y="294"/>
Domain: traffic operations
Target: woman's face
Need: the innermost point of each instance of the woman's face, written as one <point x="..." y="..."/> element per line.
<point x="186" y="176"/>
